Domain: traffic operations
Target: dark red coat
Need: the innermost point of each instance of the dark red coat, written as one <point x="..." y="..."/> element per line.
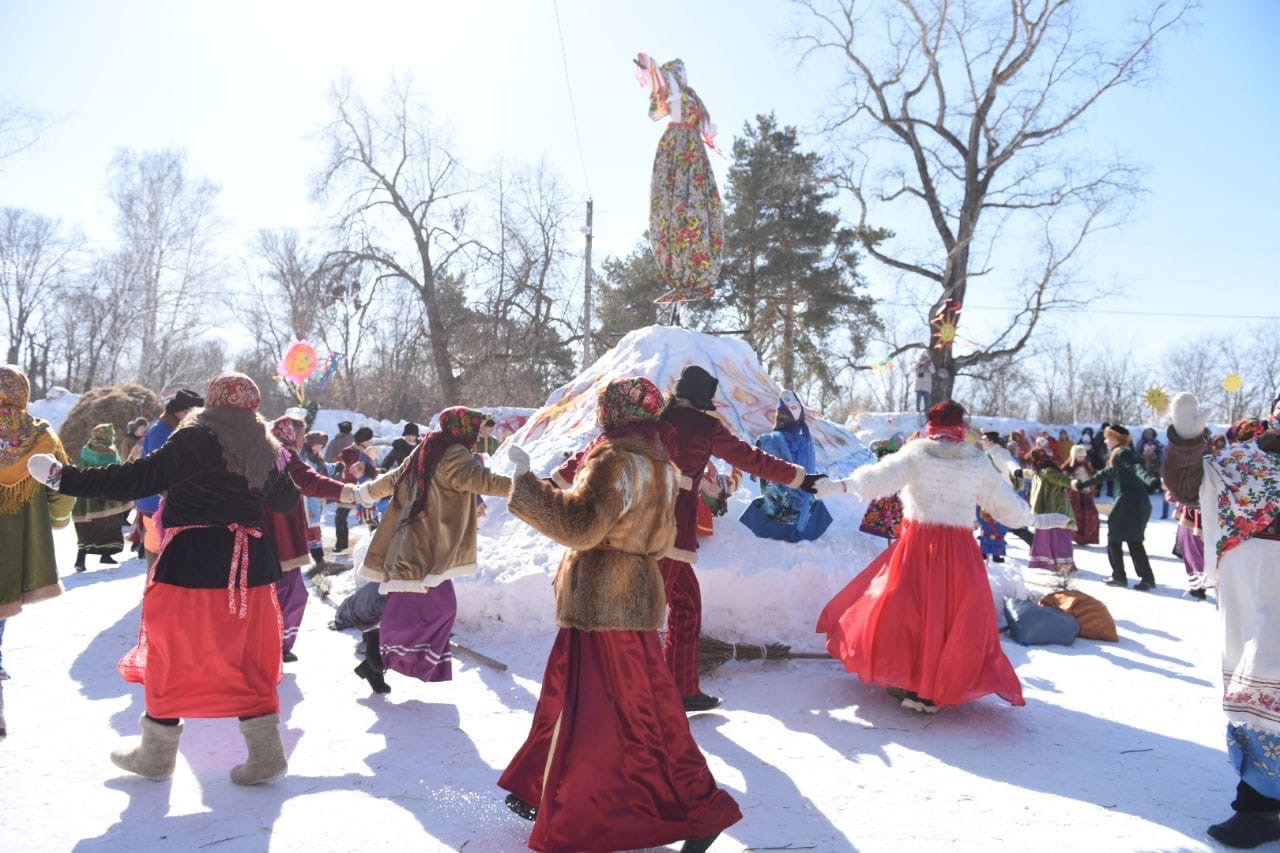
<point x="701" y="436"/>
<point x="289" y="529"/>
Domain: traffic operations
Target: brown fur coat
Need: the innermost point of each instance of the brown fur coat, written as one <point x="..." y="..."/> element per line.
<point x="617" y="520"/>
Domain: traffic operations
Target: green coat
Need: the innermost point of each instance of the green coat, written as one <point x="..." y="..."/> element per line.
<point x="1129" y="514"/>
<point x="1050" y="492"/>
<point x="28" y="566"/>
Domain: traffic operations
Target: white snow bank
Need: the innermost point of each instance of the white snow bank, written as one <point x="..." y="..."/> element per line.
<point x="55" y="406"/>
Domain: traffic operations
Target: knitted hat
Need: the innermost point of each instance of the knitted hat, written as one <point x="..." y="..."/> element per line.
<point x="410" y="429"/>
<point x="183" y="400"/>
<point x="698" y="387"/>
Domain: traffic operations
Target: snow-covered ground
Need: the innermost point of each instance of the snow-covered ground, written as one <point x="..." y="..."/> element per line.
<point x="1120" y="746"/>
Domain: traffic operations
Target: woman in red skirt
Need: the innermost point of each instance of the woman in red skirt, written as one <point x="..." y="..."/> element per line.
<point x="210" y="639"/>
<point x="609" y="763"/>
<point x="919" y="619"/>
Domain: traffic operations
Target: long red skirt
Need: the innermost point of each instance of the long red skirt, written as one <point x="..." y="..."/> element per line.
<point x="609" y="761"/>
<point x="1086" y="512"/>
<point x="920" y="617"/>
<point x="195" y="659"/>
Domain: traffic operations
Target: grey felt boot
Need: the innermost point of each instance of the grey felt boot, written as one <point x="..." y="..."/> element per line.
<point x="266" y="751"/>
<point x="3" y="730"/>
<point x="154" y="756"/>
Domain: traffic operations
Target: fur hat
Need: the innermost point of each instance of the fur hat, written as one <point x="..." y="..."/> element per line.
<point x="134" y="424"/>
<point x="1118" y="434"/>
<point x="344" y="426"/>
<point x="183" y="400"/>
<point x="698" y="387"/>
<point x="410" y="429"/>
<point x="363" y="434"/>
<point x="315" y="437"/>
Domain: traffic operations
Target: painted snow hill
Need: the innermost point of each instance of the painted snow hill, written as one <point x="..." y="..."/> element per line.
<point x="745" y="400"/>
<point x="754" y="590"/>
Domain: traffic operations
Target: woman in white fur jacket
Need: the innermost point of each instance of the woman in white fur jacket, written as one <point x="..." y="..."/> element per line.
<point x="919" y="619"/>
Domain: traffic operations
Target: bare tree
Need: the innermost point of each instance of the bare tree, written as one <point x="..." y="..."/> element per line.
<point x="20" y="127"/>
<point x="966" y="120"/>
<point x="35" y="257"/>
<point x="401" y="206"/>
<point x="96" y="328"/>
<point x="164" y="218"/>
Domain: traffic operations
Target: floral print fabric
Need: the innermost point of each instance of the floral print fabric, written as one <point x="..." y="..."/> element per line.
<point x="18" y="430"/>
<point x="686" y="216"/>
<point x="628" y="400"/>
<point x="233" y="391"/>
<point x="883" y="517"/>
<point x="1250" y="501"/>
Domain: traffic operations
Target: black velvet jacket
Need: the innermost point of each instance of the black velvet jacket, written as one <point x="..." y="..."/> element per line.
<point x="200" y="491"/>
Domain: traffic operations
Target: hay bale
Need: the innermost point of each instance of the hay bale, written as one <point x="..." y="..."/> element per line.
<point x="113" y="404"/>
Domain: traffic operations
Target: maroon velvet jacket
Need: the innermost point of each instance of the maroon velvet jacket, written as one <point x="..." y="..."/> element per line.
<point x="701" y="436"/>
<point x="289" y="529"/>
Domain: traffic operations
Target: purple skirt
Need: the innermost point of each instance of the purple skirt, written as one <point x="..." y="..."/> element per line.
<point x="415" y="631"/>
<point x="1192" y="547"/>
<point x="291" y="592"/>
<point x="1052" y="550"/>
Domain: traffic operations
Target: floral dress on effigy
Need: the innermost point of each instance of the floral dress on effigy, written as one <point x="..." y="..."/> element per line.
<point x="686" y="217"/>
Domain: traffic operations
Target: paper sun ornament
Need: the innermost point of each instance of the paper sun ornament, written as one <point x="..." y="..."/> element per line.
<point x="945" y="324"/>
<point x="1158" y="399"/>
<point x="1233" y="383"/>
<point x="299" y="362"/>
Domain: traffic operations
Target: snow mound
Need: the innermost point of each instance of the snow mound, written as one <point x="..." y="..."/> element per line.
<point x="745" y="400"/>
<point x="507" y="420"/>
<point x="57" y="402"/>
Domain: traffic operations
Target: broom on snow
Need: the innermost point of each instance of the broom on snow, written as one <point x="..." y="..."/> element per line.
<point x="713" y="652"/>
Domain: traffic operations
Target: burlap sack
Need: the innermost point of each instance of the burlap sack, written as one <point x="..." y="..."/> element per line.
<point x="1094" y="618"/>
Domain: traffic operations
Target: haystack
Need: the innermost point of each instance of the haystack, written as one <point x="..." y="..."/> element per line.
<point x="113" y="404"/>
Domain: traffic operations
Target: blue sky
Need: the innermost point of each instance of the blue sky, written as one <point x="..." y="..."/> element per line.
<point x="242" y="86"/>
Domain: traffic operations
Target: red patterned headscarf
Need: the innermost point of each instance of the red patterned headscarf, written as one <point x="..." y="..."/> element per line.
<point x="233" y="391"/>
<point x="458" y="425"/>
<point x="18" y="430"/>
<point x="1247" y="429"/>
<point x="288" y="431"/>
<point x="633" y="406"/>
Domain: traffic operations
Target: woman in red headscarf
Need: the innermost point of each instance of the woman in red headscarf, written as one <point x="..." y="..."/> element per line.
<point x="918" y="619"/>
<point x="609" y="763"/>
<point x="427" y="537"/>
<point x="210" y="639"/>
<point x="289" y="529"/>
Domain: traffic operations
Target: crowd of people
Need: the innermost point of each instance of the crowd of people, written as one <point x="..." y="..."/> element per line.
<point x="230" y="507"/>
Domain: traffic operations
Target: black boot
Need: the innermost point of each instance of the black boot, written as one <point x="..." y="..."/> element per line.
<point x="1245" y="830"/>
<point x="107" y="560"/>
<point x="700" y="702"/>
<point x="699" y="845"/>
<point x="317" y="554"/>
<point x="80" y="555"/>
<point x="528" y="811"/>
<point x="371" y="668"/>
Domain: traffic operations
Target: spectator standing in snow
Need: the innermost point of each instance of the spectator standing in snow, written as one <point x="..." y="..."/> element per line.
<point x="175" y="409"/>
<point x="97" y="521"/>
<point x="1127" y="521"/>
<point x="355" y="464"/>
<point x="426" y="538"/>
<point x="924" y="381"/>
<point x="1082" y="503"/>
<point x="609" y="763"/>
<point x="401" y="447"/>
<point x="340" y="442"/>
<point x="210" y="641"/>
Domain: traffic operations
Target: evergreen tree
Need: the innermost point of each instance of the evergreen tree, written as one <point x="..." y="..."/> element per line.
<point x="790" y="276"/>
<point x="626" y="293"/>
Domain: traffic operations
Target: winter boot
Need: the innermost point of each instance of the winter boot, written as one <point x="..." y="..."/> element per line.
<point x="371" y="668"/>
<point x="3" y="730"/>
<point x="107" y="560"/>
<point x="699" y="845"/>
<point x="528" y="811"/>
<point x="80" y="555"/>
<point x="317" y="554"/>
<point x="266" y="751"/>
<point x="1245" y="830"/>
<point x="700" y="702"/>
<point x="155" y="755"/>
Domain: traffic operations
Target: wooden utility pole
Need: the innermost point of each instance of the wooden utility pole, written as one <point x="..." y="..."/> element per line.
<point x="586" y="296"/>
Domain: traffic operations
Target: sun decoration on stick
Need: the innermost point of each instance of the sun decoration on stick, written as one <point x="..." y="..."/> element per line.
<point x="1233" y="383"/>
<point x="1158" y="399"/>
<point x="945" y="324"/>
<point x="299" y="362"/>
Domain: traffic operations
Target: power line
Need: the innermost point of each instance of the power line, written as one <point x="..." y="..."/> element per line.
<point x="573" y="109"/>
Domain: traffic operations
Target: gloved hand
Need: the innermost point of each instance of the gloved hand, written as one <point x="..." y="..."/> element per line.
<point x="826" y="488"/>
<point x="364" y="496"/>
<point x="1050" y="521"/>
<point x="520" y="459"/>
<point x="807" y="484"/>
<point x="44" y="468"/>
<point x="1188" y="418"/>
